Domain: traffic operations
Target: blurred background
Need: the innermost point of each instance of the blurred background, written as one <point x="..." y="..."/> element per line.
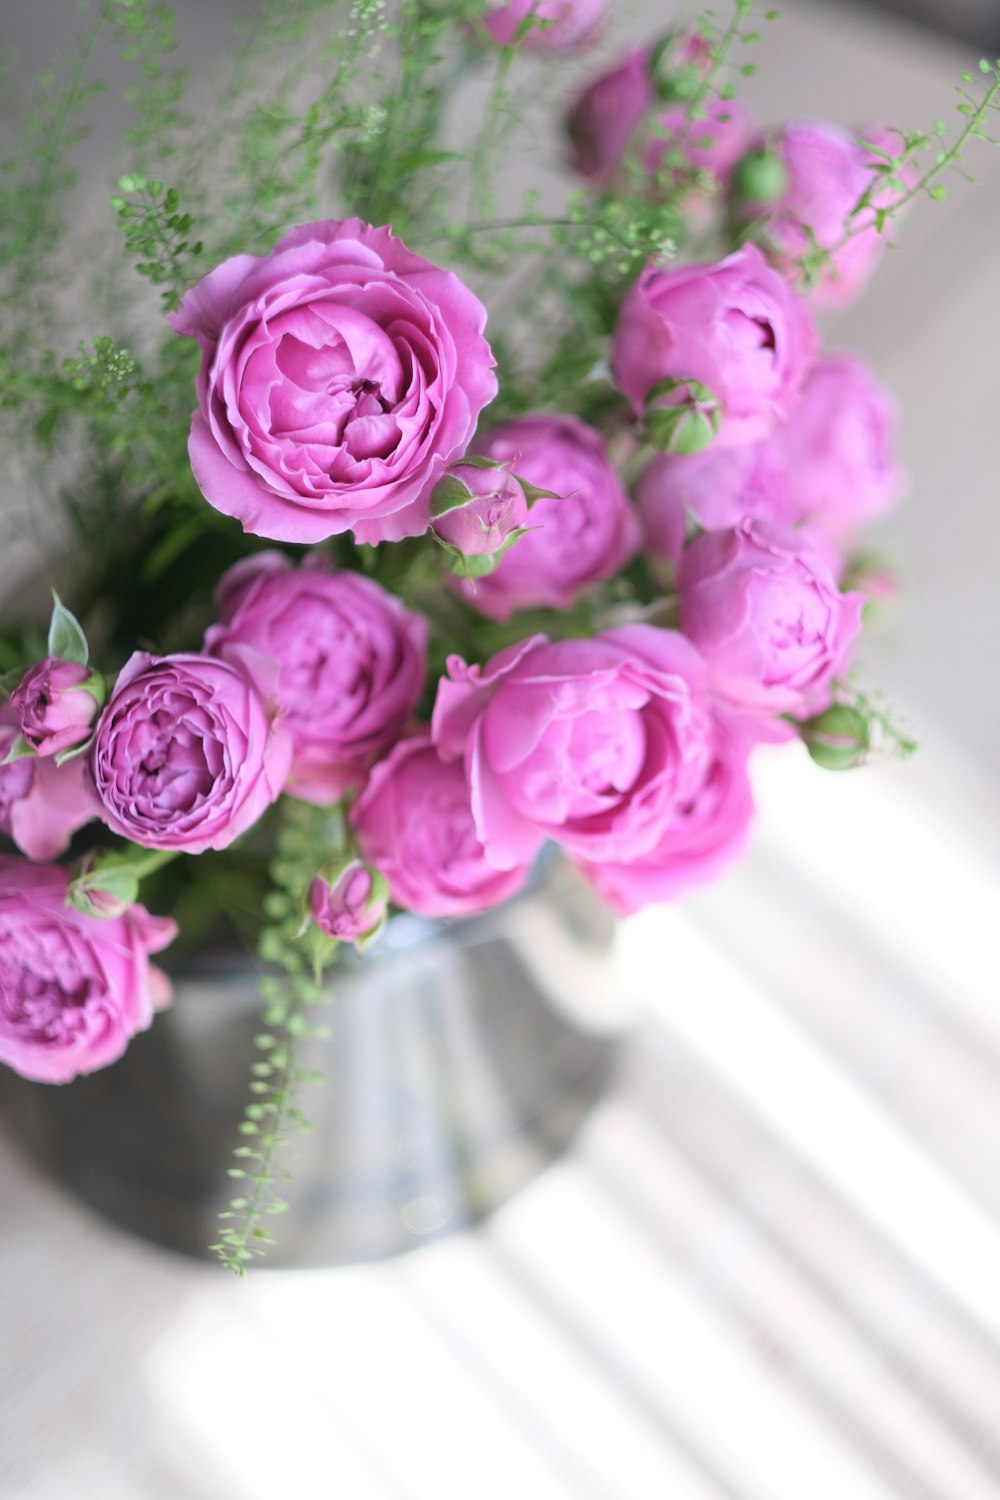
<point x="768" y="1270"/>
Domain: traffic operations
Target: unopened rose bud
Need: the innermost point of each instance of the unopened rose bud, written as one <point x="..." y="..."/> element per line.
<point x="476" y="507"/>
<point x="682" y="416"/>
<point x="759" y="177"/>
<point x="56" y="703"/>
<point x="837" y="739"/>
<point x="348" y="902"/>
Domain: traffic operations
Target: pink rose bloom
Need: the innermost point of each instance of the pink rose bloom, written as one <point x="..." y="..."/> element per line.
<point x="187" y="753"/>
<point x="350" y="659"/>
<point x="414" y="823"/>
<point x="734" y="326"/>
<point x="718" y="487"/>
<point x="839" y="447"/>
<point x="584" y="537"/>
<point x="572" y="24"/>
<point x="494" y="508"/>
<point x="41" y="804"/>
<point x="713" y="144"/>
<point x="598" y="744"/>
<point x="345" y="907"/>
<point x="762" y="605"/>
<point x="708" y="832"/>
<point x="341" y="374"/>
<point x="73" y="989"/>
<point x="54" y="708"/>
<point x="827" y="170"/>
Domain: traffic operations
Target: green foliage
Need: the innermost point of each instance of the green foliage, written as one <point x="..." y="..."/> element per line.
<point x="295" y="955"/>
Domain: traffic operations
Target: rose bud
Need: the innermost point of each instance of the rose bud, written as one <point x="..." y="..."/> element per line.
<point x="56" y="703"/>
<point x="477" y="507"/>
<point x="566" y="25"/>
<point x="762" y="605"/>
<point x="733" y="327"/>
<point x="837" y="739"/>
<point x="348" y="902"/>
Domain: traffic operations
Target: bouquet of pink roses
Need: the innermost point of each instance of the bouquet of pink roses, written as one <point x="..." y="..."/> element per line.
<point x="421" y="537"/>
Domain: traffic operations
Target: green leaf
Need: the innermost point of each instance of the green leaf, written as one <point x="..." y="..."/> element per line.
<point x="19" y="750"/>
<point x="449" y="494"/>
<point x="67" y="641"/>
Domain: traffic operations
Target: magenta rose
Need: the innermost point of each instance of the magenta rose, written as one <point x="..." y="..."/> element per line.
<point x="839" y="447"/>
<point x="598" y="744"/>
<point x="54" y="706"/>
<point x="708" y="832"/>
<point x="188" y="753"/>
<point x="414" y="823"/>
<point x="341" y="374"/>
<point x="567" y="25"/>
<point x="827" y="170"/>
<point x="584" y="537"/>
<point x="477" y="509"/>
<point x="734" y="328"/>
<point x="73" y="989"/>
<point x="350" y="660"/>
<point x="345" y="903"/>
<point x="762" y="605"/>
<point x="41" y="804"/>
<point x="718" y="487"/>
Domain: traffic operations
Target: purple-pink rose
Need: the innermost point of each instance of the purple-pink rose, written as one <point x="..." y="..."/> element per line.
<point x="734" y="327"/>
<point x="832" y="464"/>
<point x="827" y="170"/>
<point x="351" y="662"/>
<point x="583" y="537"/>
<point x="606" y="116"/>
<point x="762" y="605"/>
<point x="414" y="823"/>
<point x="708" y="832"/>
<point x="41" y="804"/>
<point x="53" y="705"/>
<point x="188" y="752"/>
<point x="839" y="447"/>
<point x="73" y="989"/>
<point x="598" y="744"/>
<point x="494" y="507"/>
<point x="567" y="25"/>
<point x="345" y="905"/>
<point x="341" y="374"/>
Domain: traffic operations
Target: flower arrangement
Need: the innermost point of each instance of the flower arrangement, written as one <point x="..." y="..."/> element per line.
<point x="417" y="537"/>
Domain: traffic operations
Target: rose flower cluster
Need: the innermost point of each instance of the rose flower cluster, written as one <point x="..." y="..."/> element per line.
<point x="344" y="389"/>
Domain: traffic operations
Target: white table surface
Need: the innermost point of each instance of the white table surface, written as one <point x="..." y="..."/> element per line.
<point x="769" y="1271"/>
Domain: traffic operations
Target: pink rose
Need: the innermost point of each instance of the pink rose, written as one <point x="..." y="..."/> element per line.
<point x="839" y="447"/>
<point x="414" y="823"/>
<point x="568" y="25"/>
<point x="41" y="804"/>
<point x="584" y="537"/>
<point x="827" y="170"/>
<point x="350" y="660"/>
<point x="53" y="705"/>
<point x="341" y="373"/>
<point x="598" y="744"/>
<point x="187" y="753"/>
<point x="734" y="328"/>
<point x="73" y="989"/>
<point x="709" y="831"/>
<point x="762" y="605"/>
<point x="493" y="509"/>
<point x="713" y="144"/>
<point x="345" y="905"/>
<point x="719" y="487"/>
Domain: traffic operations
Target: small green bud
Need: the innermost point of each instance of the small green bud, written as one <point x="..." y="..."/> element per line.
<point x="682" y="416"/>
<point x="837" y="739"/>
<point x="759" y="177"/>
